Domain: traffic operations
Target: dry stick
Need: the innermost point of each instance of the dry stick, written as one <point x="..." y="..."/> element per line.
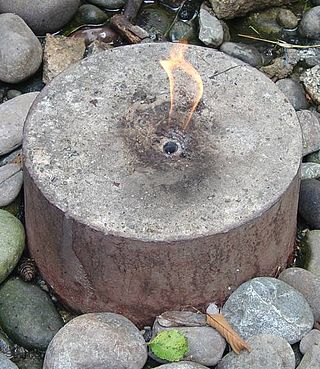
<point x="281" y="43"/>
<point x="132" y="8"/>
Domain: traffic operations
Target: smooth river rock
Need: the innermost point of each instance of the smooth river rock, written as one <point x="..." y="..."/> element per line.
<point x="267" y="305"/>
<point x="13" y="113"/>
<point x="247" y="53"/>
<point x="5" y="363"/>
<point x="294" y="92"/>
<point x="211" y="30"/>
<point x="310" y="340"/>
<point x="42" y="16"/>
<point x="182" y="365"/>
<point x="311" y="360"/>
<point x="12" y="242"/>
<point x="310" y="23"/>
<point x="235" y="8"/>
<point x="11" y="180"/>
<point x="310" y="171"/>
<point x="97" y="340"/>
<point x="20" y="50"/>
<point x="309" y="202"/>
<point x="307" y="284"/>
<point x="27" y="314"/>
<point x="268" y="352"/>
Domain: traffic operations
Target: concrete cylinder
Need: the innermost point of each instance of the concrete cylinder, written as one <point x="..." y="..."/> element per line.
<point x="116" y="222"/>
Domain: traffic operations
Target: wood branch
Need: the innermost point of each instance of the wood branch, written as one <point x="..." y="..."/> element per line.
<point x="132" y="8"/>
<point x="134" y="34"/>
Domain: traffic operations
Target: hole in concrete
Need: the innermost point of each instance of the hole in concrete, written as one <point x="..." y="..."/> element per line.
<point x="170" y="147"/>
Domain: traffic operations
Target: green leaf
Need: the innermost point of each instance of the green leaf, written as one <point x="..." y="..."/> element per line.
<point x="170" y="345"/>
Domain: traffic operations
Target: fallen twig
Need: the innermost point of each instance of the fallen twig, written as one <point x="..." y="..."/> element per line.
<point x="280" y="43"/>
<point x="134" y="34"/>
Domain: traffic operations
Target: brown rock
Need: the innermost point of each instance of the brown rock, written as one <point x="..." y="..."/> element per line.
<point x="60" y="52"/>
<point x="228" y="9"/>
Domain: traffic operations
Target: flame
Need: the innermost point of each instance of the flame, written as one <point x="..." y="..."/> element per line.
<point x="176" y="62"/>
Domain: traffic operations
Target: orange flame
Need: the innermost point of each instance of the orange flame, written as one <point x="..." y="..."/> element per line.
<point x="175" y="62"/>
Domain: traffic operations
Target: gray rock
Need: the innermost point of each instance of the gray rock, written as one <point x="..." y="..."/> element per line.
<point x="98" y="340"/>
<point x="211" y="31"/>
<point x="60" y="52"/>
<point x="311" y="81"/>
<point x="32" y="360"/>
<point x="287" y="19"/>
<point x="12" y="116"/>
<point x="11" y="94"/>
<point x="11" y="180"/>
<point x="206" y="345"/>
<point x="309" y="340"/>
<point x="313" y="158"/>
<point x="311" y="360"/>
<point x="310" y="125"/>
<point x="310" y="56"/>
<point x="247" y="53"/>
<point x="307" y="284"/>
<point x="313" y="243"/>
<point x="268" y="352"/>
<point x="5" y="363"/>
<point x="20" y="50"/>
<point x="42" y="16"/>
<point x="182" y="365"/>
<point x="12" y="242"/>
<point x="183" y="31"/>
<point x="294" y="92"/>
<point x="310" y="23"/>
<point x="31" y="322"/>
<point x="268" y="306"/>
<point x="91" y="14"/>
<point x="309" y="202"/>
<point x="235" y="8"/>
<point x="310" y="171"/>
<point x="109" y="4"/>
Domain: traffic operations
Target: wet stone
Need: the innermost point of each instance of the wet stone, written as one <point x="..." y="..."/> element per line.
<point x="109" y="4"/>
<point x="182" y="365"/>
<point x="287" y="19"/>
<point x="60" y="52"/>
<point x="311" y="81"/>
<point x="308" y="284"/>
<point x="283" y="66"/>
<point x="116" y="339"/>
<point x="12" y="242"/>
<point x="311" y="360"/>
<point x="211" y="31"/>
<point x="20" y="50"/>
<point x="12" y="117"/>
<point x="11" y="180"/>
<point x="5" y="363"/>
<point x="310" y="125"/>
<point x="90" y="14"/>
<point x="206" y="345"/>
<point x="42" y="16"/>
<point x="31" y="322"/>
<point x="310" y="171"/>
<point x="247" y="53"/>
<point x="183" y="31"/>
<point x="101" y="34"/>
<point x="309" y="202"/>
<point x="309" y="340"/>
<point x="265" y="22"/>
<point x="313" y="242"/>
<point x="310" y="23"/>
<point x="268" y="306"/>
<point x="268" y="352"/>
<point x="294" y="92"/>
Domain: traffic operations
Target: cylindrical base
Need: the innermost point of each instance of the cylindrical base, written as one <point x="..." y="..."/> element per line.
<point x="115" y="223"/>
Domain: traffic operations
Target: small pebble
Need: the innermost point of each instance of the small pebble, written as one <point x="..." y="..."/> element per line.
<point x="294" y="92"/>
<point x="310" y="23"/>
<point x="211" y="30"/>
<point x="311" y="359"/>
<point x="287" y="19"/>
<point x="90" y="14"/>
<point x="310" y="125"/>
<point x="310" y="171"/>
<point x="11" y="180"/>
<point x="309" y="340"/>
<point x="311" y="81"/>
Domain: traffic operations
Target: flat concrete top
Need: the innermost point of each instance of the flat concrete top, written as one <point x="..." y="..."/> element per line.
<point x="93" y="144"/>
